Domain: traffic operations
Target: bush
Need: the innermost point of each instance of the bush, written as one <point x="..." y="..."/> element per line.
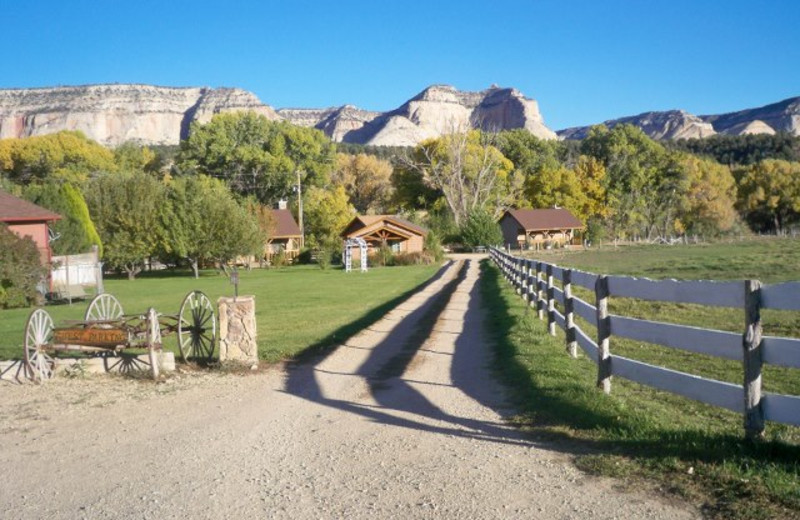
<point x="415" y="258"/>
<point x="481" y="229"/>
<point x="279" y="259"/>
<point x="20" y="270"/>
<point x="382" y="256"/>
<point x="433" y="246"/>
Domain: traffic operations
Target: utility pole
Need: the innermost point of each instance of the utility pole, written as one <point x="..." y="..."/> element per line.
<point x="300" y="211"/>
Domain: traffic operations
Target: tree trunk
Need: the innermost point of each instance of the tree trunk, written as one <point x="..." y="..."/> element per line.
<point x="193" y="262"/>
<point x="132" y="271"/>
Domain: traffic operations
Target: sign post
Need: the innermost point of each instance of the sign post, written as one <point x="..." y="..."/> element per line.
<point x="235" y="282"/>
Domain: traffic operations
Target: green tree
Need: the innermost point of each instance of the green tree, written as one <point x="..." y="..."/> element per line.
<point x="20" y="270"/>
<point x="130" y="157"/>
<point x="76" y="231"/>
<point x="560" y="187"/>
<point x="707" y="205"/>
<point x="639" y="187"/>
<point x="129" y="211"/>
<point x="257" y="156"/>
<point x="481" y="229"/>
<point x="327" y="212"/>
<point x="68" y="156"/>
<point x="470" y="173"/>
<point x="769" y="193"/>
<point x="205" y="222"/>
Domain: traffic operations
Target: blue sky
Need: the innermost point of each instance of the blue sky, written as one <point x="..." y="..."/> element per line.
<point x="584" y="61"/>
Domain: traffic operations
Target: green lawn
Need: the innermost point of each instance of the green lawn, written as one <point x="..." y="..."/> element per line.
<point x="297" y="308"/>
<point x="638" y="432"/>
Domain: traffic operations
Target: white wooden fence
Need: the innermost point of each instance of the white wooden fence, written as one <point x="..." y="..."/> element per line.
<point x="534" y="281"/>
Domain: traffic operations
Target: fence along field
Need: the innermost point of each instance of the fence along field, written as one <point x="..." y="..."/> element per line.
<point x="534" y="281"/>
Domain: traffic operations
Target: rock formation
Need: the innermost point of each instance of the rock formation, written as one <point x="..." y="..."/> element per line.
<point x="672" y="124"/>
<point x="783" y="116"/>
<point x="442" y="109"/>
<point x="113" y="114"/>
<point x="336" y="122"/>
<point x="435" y="111"/>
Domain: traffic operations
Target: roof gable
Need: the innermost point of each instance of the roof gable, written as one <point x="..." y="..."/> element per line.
<point x="285" y="225"/>
<point x="14" y="209"/>
<point x="361" y="222"/>
<point x="543" y="219"/>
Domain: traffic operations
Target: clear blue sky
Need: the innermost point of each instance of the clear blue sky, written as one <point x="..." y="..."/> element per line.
<point x="584" y="61"/>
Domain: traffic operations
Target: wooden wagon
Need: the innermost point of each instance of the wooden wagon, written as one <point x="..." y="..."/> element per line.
<point x="106" y="329"/>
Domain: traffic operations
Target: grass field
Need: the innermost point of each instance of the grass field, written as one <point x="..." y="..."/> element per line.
<point x="689" y="448"/>
<point x="297" y="308"/>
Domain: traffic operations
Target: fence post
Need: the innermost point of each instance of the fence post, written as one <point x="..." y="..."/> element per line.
<point x="532" y="283"/>
<point x="525" y="281"/>
<point x="551" y="304"/>
<point x="603" y="334"/>
<point x="569" y="318"/>
<point x="518" y="274"/>
<point x="539" y="299"/>
<point x="753" y="360"/>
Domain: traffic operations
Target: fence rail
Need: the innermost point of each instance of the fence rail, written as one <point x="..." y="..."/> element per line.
<point x="535" y="282"/>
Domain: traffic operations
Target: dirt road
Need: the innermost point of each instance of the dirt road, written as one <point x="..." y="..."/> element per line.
<point x="403" y="421"/>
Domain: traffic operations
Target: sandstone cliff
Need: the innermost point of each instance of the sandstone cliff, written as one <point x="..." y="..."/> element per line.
<point x="435" y="111"/>
<point x="336" y="122"/>
<point x="442" y="109"/>
<point x="783" y="116"/>
<point x="113" y="114"/>
<point x="672" y="124"/>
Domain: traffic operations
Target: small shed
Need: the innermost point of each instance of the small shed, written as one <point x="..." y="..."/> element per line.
<point x="286" y="238"/>
<point x="26" y="219"/>
<point x="398" y="233"/>
<point x="528" y="227"/>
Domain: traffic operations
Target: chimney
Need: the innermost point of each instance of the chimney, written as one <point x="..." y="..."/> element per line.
<point x="282" y="204"/>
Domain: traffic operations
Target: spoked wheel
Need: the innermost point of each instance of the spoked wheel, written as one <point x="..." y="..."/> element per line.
<point x="197" y="328"/>
<point x="38" y="336"/>
<point x="103" y="307"/>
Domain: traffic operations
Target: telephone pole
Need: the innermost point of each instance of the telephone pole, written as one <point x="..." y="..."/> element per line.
<point x="300" y="210"/>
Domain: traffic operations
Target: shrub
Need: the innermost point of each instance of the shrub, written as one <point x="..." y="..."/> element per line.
<point x="382" y="256"/>
<point x="481" y="229"/>
<point x="433" y="246"/>
<point x="415" y="258"/>
<point x="20" y="270"/>
<point x="280" y="259"/>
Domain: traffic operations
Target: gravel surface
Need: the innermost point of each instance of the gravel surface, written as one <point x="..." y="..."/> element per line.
<point x="403" y="421"/>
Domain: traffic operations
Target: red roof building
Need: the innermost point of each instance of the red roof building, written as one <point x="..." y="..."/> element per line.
<point x="26" y="219"/>
<point x="286" y="237"/>
<point x="527" y="227"/>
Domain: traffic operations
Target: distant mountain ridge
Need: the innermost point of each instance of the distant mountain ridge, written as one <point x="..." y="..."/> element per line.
<point x="147" y="114"/>
<point x="783" y="116"/>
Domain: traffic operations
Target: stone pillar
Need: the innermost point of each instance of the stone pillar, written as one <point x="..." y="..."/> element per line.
<point x="237" y="330"/>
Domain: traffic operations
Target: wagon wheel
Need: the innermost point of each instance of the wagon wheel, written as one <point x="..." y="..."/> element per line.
<point x="103" y="307"/>
<point x="38" y="336"/>
<point x="197" y="328"/>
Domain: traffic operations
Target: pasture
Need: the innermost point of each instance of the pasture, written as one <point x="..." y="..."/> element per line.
<point x="691" y="449"/>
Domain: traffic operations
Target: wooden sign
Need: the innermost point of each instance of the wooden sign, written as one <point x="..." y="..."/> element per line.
<point x="90" y="337"/>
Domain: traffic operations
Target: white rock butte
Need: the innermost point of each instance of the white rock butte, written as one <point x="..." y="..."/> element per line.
<point x="146" y="114"/>
<point x="113" y="114"/>
<point x="783" y="116"/>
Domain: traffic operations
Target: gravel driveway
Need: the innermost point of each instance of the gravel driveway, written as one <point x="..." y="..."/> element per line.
<point x="403" y="421"/>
